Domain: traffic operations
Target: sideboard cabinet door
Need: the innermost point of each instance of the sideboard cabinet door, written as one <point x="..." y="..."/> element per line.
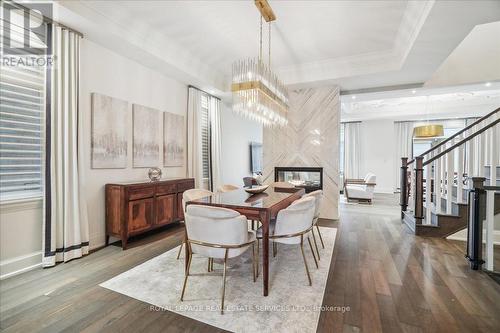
<point x="140" y="214"/>
<point x="166" y="208"/>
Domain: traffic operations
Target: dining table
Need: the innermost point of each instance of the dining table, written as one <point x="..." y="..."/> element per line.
<point x="261" y="207"/>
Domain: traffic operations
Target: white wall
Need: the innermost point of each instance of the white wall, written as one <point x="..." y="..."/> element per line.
<point x="377" y="153"/>
<point x="108" y="73"/>
<point x="20" y="236"/>
<point x="237" y="133"/>
<point x="105" y="72"/>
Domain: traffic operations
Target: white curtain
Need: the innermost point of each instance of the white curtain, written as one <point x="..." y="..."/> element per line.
<point x="403" y="137"/>
<point x="215" y="146"/>
<point x="195" y="162"/>
<point x="65" y="229"/>
<point x="352" y="150"/>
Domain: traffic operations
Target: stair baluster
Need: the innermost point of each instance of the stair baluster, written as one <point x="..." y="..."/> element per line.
<point x="460" y="172"/>
<point x="437" y="183"/>
<point x="450" y="173"/>
<point x="428" y="192"/>
<point x="419" y="190"/>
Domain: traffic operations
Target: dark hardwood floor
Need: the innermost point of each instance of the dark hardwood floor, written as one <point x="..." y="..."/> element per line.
<point x="385" y="278"/>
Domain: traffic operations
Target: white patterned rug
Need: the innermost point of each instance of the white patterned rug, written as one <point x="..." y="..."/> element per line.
<point x="292" y="305"/>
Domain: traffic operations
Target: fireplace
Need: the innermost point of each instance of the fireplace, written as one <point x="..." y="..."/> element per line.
<point x="310" y="178"/>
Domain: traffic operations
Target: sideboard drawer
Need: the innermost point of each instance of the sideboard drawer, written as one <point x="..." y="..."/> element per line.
<point x="166" y="189"/>
<point x="135" y="193"/>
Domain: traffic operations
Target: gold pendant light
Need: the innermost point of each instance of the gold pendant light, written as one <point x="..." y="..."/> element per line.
<point x="258" y="94"/>
<point x="428" y="131"/>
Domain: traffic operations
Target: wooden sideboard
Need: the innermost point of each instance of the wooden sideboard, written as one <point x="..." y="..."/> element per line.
<point x="134" y="208"/>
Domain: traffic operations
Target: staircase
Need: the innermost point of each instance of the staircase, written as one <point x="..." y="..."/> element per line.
<point x="435" y="185"/>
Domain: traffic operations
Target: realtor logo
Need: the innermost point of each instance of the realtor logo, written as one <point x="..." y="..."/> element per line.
<point x="24" y="31"/>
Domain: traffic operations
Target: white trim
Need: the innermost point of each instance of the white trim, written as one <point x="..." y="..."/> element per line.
<point x="20" y="271"/>
<point x="15" y="205"/>
<point x="20" y="264"/>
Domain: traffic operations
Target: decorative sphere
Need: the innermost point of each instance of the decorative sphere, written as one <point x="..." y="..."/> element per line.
<point x="154" y="174"/>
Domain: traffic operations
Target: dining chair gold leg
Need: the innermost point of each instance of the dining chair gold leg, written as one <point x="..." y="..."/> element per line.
<point x="312" y="251"/>
<point x="315" y="244"/>
<point x="180" y="250"/>
<point x="186" y="276"/>
<point x="320" y="237"/>
<point x="224" y="282"/>
<point x="304" y="257"/>
<point x="212" y="264"/>
<point x="208" y="266"/>
<point x="253" y="262"/>
<point x="275" y="250"/>
<point x="253" y="224"/>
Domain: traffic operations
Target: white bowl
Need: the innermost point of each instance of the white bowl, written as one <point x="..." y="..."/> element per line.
<point x="256" y="189"/>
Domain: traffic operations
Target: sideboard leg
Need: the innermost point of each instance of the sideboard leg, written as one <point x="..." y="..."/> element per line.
<point x="107" y="240"/>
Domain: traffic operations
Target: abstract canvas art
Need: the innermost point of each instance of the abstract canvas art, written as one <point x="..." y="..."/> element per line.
<point x="146" y="137"/>
<point x="109" y="132"/>
<point x="173" y="139"/>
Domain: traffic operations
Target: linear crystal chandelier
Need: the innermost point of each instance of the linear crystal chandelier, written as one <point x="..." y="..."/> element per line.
<point x="258" y="94"/>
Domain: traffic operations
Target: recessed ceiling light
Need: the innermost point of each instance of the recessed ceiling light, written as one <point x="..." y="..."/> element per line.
<point x="353" y="97"/>
<point x="413" y="92"/>
<point x="487" y="84"/>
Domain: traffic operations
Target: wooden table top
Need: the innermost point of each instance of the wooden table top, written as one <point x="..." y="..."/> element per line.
<point x="241" y="199"/>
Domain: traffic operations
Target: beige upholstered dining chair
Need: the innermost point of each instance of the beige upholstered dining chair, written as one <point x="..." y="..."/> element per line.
<point x="220" y="233"/>
<point x="293" y="224"/>
<point x="228" y="188"/>
<point x="190" y="195"/>
<point x="318" y="195"/>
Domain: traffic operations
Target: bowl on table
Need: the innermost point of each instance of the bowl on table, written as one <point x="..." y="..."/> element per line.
<point x="256" y="189"/>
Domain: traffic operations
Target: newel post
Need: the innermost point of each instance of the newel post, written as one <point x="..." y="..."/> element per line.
<point x="403" y="198"/>
<point x="419" y="189"/>
<point x="475" y="227"/>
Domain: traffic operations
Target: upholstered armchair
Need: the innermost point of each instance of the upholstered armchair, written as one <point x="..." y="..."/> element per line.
<point x="190" y="195"/>
<point x="360" y="189"/>
<point x="318" y="195"/>
<point x="220" y="233"/>
<point x="228" y="188"/>
<point x="293" y="225"/>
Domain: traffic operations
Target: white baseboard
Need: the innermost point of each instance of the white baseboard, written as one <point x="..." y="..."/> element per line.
<point x="21" y="264"/>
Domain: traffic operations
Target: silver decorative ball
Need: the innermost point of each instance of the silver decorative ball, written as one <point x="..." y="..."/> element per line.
<point x="154" y="174"/>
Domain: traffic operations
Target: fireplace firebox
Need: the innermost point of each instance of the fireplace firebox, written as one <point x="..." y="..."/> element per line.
<point x="309" y="178"/>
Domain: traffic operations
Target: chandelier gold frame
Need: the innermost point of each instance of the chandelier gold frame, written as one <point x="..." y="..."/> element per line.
<point x="258" y="94"/>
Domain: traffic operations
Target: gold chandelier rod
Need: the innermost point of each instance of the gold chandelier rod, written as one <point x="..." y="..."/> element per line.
<point x="265" y="10"/>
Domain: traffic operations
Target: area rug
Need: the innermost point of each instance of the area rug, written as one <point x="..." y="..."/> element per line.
<point x="292" y="305"/>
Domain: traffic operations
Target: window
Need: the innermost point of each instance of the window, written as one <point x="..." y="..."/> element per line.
<point x="22" y="109"/>
<point x="205" y="137"/>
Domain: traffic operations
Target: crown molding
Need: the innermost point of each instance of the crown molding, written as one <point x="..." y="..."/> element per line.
<point x="142" y="44"/>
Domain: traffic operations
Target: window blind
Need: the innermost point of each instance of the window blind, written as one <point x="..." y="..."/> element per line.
<point x="22" y="109"/>
<point x="205" y="136"/>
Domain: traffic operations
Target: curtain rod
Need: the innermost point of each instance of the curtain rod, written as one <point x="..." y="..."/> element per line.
<point x="351" y="122"/>
<point x="48" y="19"/>
<point x="191" y="86"/>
